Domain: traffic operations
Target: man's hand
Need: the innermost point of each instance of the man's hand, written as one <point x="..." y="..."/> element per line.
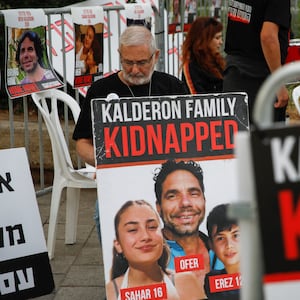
<point x="282" y="97"/>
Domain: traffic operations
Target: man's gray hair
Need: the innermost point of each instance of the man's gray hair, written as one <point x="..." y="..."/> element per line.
<point x="137" y="35"/>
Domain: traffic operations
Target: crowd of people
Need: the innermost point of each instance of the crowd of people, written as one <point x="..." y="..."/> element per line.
<point x="256" y="46"/>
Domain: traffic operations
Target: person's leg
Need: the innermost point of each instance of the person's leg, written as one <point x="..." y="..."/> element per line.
<point x="235" y="81"/>
<point x="280" y="114"/>
<point x="97" y="220"/>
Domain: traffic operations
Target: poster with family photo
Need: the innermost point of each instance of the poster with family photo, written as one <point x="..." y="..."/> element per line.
<point x="88" y="36"/>
<point x="28" y="69"/>
<point x="143" y="145"/>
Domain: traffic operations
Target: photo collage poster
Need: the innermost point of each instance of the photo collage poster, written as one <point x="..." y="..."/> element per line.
<point x="88" y="36"/>
<point x="133" y="137"/>
<point x="181" y="13"/>
<point x="28" y="69"/>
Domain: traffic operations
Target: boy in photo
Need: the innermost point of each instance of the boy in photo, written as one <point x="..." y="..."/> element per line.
<point x="224" y="236"/>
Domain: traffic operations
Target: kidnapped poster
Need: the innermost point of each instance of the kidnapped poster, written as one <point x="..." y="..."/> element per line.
<point x="141" y="146"/>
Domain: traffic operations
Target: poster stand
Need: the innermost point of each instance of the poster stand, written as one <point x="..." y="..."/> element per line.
<point x="253" y="261"/>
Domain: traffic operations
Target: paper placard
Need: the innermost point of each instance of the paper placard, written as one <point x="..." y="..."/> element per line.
<point x="87" y="15"/>
<point x="28" y="68"/>
<point x="88" y="37"/>
<point x="24" y="18"/>
<point x="138" y="14"/>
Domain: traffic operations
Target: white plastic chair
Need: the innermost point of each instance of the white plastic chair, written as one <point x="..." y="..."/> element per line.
<point x="65" y="176"/>
<point x="296" y="96"/>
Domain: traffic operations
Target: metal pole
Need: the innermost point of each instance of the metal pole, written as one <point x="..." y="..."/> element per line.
<point x="160" y="34"/>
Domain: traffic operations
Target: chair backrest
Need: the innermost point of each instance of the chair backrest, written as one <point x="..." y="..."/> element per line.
<point x="296" y="96"/>
<point x="61" y="156"/>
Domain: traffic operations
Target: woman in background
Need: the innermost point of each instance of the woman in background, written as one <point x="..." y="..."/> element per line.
<point x="202" y="61"/>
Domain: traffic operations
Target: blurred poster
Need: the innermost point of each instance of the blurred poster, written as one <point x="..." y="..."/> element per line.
<point x="216" y="9"/>
<point x="88" y="27"/>
<point x="133" y="138"/>
<point x="28" y="69"/>
<point x="181" y="14"/>
<point x="138" y="14"/>
<point x="174" y="16"/>
<point x="276" y="157"/>
<point x="190" y="13"/>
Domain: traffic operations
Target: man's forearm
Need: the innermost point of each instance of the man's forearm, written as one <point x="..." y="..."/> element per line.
<point x="85" y="150"/>
<point x="270" y="45"/>
<point x="271" y="49"/>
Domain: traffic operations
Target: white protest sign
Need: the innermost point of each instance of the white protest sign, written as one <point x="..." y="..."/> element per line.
<point x="25" y="271"/>
<point x="24" y="18"/>
<point x="138" y="14"/>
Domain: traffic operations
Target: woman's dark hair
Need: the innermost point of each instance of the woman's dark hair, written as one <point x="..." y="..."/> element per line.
<point x="120" y="263"/>
<point x="170" y="166"/>
<point x="196" y="45"/>
<point x="93" y="28"/>
<point x="38" y="46"/>
<point x="97" y="51"/>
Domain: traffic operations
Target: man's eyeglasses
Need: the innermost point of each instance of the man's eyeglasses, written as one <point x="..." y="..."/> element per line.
<point x="139" y="63"/>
